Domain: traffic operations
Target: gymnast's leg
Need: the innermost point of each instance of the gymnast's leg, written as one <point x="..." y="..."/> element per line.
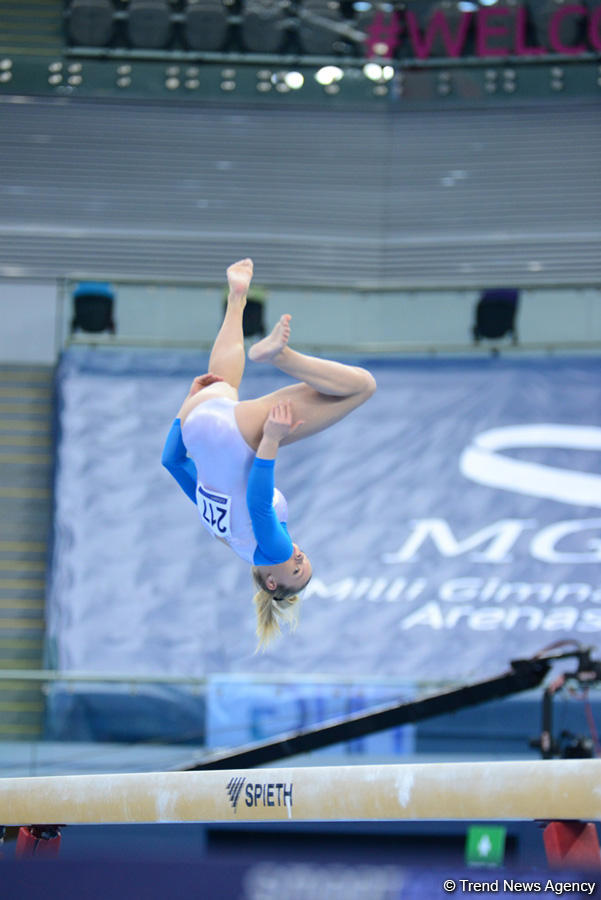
<point x="228" y="354"/>
<point x="325" y="375"/>
<point x="328" y="390"/>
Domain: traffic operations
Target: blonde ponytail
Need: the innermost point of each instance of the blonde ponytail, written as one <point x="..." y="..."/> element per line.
<point x="273" y="608"/>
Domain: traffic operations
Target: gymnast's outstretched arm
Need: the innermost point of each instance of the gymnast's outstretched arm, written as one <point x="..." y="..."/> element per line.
<point x="273" y="541"/>
<point x="174" y="458"/>
<point x="178" y="463"/>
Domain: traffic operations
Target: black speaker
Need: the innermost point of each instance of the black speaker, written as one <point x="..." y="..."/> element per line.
<point x="253" y="318"/>
<point x="496" y="313"/>
<point x="93" y="308"/>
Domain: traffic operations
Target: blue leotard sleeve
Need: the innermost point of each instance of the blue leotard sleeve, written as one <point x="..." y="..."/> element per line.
<point x="273" y="541"/>
<point x="178" y="463"/>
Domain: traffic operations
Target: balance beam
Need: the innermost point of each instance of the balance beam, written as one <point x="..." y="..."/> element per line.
<point x="516" y="790"/>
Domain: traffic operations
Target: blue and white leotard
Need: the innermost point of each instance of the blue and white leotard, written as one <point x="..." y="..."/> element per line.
<point x="232" y="488"/>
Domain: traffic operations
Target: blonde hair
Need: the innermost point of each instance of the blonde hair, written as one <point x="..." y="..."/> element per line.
<point x="272" y="608"/>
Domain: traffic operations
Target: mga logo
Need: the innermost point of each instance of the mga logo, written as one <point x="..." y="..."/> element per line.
<point x="234" y="786"/>
<point x="485" y="462"/>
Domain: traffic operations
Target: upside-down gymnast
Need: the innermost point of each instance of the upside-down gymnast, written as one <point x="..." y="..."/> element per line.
<point x="222" y="451"/>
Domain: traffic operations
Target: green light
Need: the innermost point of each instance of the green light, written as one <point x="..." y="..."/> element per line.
<point x="485" y="845"/>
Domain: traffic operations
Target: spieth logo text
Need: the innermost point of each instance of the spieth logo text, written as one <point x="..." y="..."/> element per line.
<point x="254" y="794"/>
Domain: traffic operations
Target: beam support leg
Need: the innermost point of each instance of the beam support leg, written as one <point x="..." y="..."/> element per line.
<point x="572" y="844"/>
<point x="39" y="841"/>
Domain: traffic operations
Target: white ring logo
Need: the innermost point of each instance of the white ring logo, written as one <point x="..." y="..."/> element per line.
<point x="482" y="462"/>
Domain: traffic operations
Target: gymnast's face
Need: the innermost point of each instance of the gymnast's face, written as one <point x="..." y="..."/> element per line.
<point x="293" y="574"/>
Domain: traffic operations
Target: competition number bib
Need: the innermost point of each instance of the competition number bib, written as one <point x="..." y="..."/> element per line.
<point x="215" y="510"/>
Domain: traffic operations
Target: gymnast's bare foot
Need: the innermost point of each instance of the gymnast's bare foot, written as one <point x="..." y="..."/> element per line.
<point x="271" y="346"/>
<point x="239" y="276"/>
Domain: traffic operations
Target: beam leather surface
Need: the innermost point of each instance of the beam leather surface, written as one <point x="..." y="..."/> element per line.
<point x="515" y="790"/>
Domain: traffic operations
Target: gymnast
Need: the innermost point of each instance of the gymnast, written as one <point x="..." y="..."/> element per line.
<point x="222" y="451"/>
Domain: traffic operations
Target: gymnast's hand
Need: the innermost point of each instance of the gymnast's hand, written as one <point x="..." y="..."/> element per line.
<point x="203" y="381"/>
<point x="279" y="423"/>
